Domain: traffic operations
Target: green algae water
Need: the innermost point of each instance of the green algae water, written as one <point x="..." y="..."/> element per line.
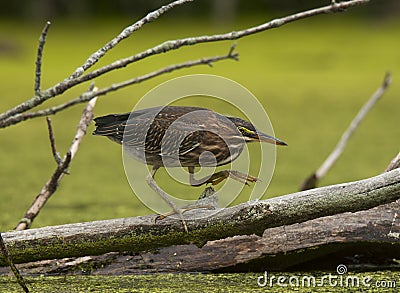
<point x="381" y="281"/>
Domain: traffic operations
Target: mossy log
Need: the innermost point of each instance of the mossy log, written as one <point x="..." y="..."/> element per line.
<point x="358" y="240"/>
<point x="143" y="233"/>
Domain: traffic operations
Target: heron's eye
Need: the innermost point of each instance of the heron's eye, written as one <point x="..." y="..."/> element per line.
<point x="245" y="130"/>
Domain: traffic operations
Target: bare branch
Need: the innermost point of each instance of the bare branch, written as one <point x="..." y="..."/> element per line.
<point x="394" y="164"/>
<point x="10" y="263"/>
<point x="165" y="47"/>
<point x="56" y="155"/>
<point x="152" y="16"/>
<point x="38" y="71"/>
<point x="51" y="185"/>
<point x="89" y="95"/>
<point x="312" y="180"/>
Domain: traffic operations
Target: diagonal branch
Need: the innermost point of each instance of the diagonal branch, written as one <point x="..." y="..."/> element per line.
<point x="52" y="184"/>
<point x="10" y="263"/>
<point x="89" y="95"/>
<point x="152" y="16"/>
<point x="78" y="78"/>
<point x="312" y="180"/>
<point x="234" y="35"/>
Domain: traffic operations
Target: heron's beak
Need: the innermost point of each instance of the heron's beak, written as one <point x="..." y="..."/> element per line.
<point x="270" y="139"/>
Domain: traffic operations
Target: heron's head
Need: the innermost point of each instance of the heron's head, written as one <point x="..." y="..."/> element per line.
<point x="250" y="133"/>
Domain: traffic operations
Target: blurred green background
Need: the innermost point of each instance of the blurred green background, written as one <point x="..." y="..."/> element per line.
<point x="312" y="76"/>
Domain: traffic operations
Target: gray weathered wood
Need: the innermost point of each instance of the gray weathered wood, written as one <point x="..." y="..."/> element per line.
<point x="326" y="242"/>
<point x="142" y="233"/>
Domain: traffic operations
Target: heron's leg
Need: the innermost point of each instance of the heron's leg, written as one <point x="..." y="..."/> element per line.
<point x="218" y="177"/>
<point x="205" y="201"/>
<point x="153" y="184"/>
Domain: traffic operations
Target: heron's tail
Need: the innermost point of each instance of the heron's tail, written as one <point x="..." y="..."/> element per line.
<point x="112" y="126"/>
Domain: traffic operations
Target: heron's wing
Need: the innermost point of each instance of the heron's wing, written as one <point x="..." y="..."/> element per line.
<point x="165" y="129"/>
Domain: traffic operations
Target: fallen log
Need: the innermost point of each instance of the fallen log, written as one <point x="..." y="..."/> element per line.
<point x="360" y="239"/>
<point x="143" y="234"/>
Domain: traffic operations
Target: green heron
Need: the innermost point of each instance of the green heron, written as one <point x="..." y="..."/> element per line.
<point x="173" y="136"/>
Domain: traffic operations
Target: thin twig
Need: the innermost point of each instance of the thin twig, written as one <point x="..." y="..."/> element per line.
<point x="312" y="181"/>
<point x="56" y="154"/>
<point x="38" y="71"/>
<point x="10" y="263"/>
<point x="89" y="95"/>
<point x="394" y="164"/>
<point x="68" y="83"/>
<point x="152" y="16"/>
<point x="51" y="185"/>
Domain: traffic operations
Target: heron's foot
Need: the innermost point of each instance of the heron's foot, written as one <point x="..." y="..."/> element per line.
<point x="185" y="209"/>
<point x="207" y="200"/>
<point x="175" y="211"/>
<point x="236" y="175"/>
<point x="180" y="211"/>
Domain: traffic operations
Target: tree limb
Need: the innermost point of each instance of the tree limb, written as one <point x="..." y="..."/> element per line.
<point x="66" y="84"/>
<point x="353" y="239"/>
<point x="312" y="180"/>
<point x="234" y="35"/>
<point x="141" y="233"/>
<point x="127" y="32"/>
<point x="77" y="77"/>
<point x="89" y="95"/>
<point x="62" y="168"/>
